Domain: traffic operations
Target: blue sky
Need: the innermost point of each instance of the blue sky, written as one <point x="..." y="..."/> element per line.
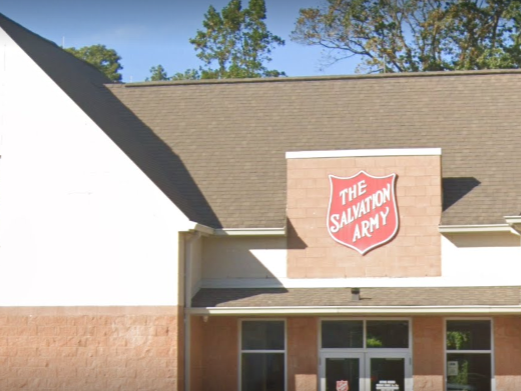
<point x="150" y="32"/>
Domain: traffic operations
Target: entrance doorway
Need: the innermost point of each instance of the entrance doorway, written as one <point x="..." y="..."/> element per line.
<point x="366" y="371"/>
<point x="365" y="354"/>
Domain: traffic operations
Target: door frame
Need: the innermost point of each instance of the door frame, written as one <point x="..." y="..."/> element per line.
<point x="322" y="364"/>
<point x="366" y="353"/>
<point x="407" y="361"/>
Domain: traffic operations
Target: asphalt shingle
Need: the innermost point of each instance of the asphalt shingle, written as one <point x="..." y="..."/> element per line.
<point x="341" y="297"/>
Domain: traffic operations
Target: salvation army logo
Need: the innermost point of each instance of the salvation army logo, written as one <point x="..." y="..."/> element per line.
<point x="362" y="211"/>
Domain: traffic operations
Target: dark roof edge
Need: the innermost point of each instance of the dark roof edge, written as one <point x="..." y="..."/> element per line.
<point x="329" y="77"/>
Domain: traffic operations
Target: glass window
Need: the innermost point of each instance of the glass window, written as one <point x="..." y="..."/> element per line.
<point x="263" y="356"/>
<point x="387" y="334"/>
<point x="342" y="334"/>
<point x="262" y="371"/>
<point x="468" y="335"/>
<point x="469" y="355"/>
<point x="262" y="335"/>
<point x="369" y="334"/>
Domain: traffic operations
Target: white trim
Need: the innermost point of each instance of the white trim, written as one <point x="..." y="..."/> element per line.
<point x="364" y="153"/>
<point x="515" y="223"/>
<point x="193" y="226"/>
<point x="398" y="310"/>
<point x="512" y="219"/>
<point x="454" y="229"/>
<point x="250" y="232"/>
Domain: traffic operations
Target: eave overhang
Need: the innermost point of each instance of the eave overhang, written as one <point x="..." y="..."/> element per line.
<point x="367" y="311"/>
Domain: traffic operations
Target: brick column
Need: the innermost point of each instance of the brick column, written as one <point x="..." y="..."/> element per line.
<point x="428" y="350"/>
<point x="220" y="354"/>
<point x="507" y="344"/>
<point x="302" y="354"/>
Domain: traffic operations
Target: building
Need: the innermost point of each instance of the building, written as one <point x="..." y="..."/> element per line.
<point x="327" y="233"/>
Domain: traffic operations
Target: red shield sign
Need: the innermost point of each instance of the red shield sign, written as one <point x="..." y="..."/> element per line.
<point x="342" y="385"/>
<point x="362" y="211"/>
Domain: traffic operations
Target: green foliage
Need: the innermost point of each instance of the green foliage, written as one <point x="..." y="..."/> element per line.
<point x="373" y="342"/>
<point x="415" y="35"/>
<point x="462" y="378"/>
<point x="104" y="59"/>
<point x="189" y="74"/>
<point x="236" y="43"/>
<point x="457" y="340"/>
<point x="157" y="73"/>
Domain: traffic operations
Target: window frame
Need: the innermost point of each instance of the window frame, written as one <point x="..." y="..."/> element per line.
<point x="285" y="351"/>
<point x="491" y="351"/>
<point x="364" y="348"/>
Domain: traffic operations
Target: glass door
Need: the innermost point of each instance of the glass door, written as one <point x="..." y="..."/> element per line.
<point x="388" y="372"/>
<point x="365" y="372"/>
<point x="342" y="372"/>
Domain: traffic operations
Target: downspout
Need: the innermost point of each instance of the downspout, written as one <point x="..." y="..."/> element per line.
<point x="188" y="302"/>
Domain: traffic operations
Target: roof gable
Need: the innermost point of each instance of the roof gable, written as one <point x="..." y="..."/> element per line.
<point x="86" y="86"/>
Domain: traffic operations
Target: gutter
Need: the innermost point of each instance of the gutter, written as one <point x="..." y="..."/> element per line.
<point x="188" y="303"/>
<point x="358" y="310"/>
<point x="193" y="226"/>
<point x="455" y="229"/>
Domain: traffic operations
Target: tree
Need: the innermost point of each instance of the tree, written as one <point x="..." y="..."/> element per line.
<point x="415" y="35"/>
<point x="104" y="59"/>
<point x="236" y="41"/>
<point x="189" y="74"/>
<point x="158" y="73"/>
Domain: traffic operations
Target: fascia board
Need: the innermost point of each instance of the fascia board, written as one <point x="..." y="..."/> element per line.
<point x="395" y="310"/>
<point x="452" y="229"/>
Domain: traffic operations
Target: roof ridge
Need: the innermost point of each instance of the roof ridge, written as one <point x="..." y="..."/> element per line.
<point x="326" y="77"/>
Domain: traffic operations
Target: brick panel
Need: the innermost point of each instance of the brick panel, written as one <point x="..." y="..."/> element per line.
<point x="414" y="252"/>
<point x="220" y="354"/>
<point x="428" y="351"/>
<point x="302" y="354"/>
<point x="196" y="353"/>
<point x="84" y="349"/>
<point x="507" y="343"/>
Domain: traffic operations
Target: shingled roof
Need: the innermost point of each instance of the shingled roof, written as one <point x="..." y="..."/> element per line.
<point x="217" y="148"/>
<point x="232" y="135"/>
<point x="341" y="297"/>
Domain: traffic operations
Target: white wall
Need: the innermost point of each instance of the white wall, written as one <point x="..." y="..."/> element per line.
<point x="80" y="224"/>
<point x="244" y="257"/>
<point x="478" y="259"/>
<point x="197" y="264"/>
<point x="492" y="258"/>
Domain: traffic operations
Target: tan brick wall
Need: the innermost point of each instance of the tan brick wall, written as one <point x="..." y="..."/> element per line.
<point x="196" y="353"/>
<point x="220" y="354"/>
<point x="416" y="249"/>
<point x="83" y="349"/>
<point x="507" y="343"/>
<point x="302" y="354"/>
<point x="428" y="353"/>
